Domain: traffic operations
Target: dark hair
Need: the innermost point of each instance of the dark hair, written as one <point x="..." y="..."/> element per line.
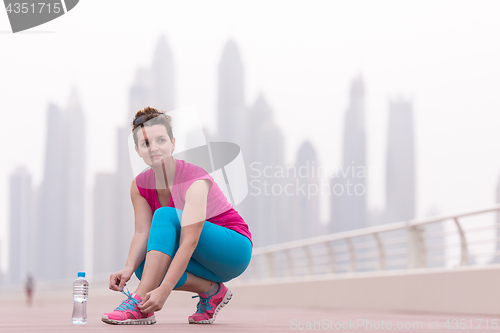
<point x="150" y="116"/>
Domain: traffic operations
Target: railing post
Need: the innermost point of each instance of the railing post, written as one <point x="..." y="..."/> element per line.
<point x="417" y="256"/>
<point x="309" y="257"/>
<point x="270" y="269"/>
<point x="331" y="256"/>
<point x="289" y="263"/>
<point x="422" y="245"/>
<point x="352" y="255"/>
<point x="464" y="252"/>
<point x="253" y="269"/>
<point x="381" y="252"/>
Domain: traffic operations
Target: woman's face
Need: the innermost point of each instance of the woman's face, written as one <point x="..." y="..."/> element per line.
<point x="154" y="144"/>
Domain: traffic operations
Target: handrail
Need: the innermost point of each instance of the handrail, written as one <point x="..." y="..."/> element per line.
<point x="368" y="231"/>
<point x="408" y="246"/>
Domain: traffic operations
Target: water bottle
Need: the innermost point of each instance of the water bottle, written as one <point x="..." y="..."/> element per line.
<point x="80" y="295"/>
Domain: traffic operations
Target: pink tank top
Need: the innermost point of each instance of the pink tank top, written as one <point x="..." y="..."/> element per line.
<point x="219" y="209"/>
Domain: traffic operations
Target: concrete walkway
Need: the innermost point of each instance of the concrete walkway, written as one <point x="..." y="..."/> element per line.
<point x="53" y="314"/>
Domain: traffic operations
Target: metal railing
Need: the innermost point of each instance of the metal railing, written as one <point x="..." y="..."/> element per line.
<point x="419" y="243"/>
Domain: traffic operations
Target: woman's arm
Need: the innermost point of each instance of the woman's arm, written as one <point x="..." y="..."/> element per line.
<point x="138" y="246"/>
<point x="143" y="217"/>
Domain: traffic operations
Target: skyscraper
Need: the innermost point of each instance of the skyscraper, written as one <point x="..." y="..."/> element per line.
<point x="162" y="77"/>
<point x="336" y="185"/>
<point x="140" y="95"/>
<point x="53" y="191"/>
<point x="106" y="237"/>
<point x="264" y="208"/>
<point x="350" y="212"/>
<point x="308" y="203"/>
<point x="21" y="226"/>
<point x="231" y="117"/>
<point x="74" y="158"/>
<point x="61" y="200"/>
<point x="400" y="176"/>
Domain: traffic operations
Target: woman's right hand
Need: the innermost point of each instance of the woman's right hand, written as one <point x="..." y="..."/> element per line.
<point x="118" y="280"/>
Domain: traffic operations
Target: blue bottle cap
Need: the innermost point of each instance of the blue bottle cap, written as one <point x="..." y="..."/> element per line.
<point x="81" y="274"/>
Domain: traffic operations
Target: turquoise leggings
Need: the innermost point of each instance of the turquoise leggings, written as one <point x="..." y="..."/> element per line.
<point x="221" y="254"/>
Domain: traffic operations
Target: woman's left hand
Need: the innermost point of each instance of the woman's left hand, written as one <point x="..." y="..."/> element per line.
<point x="154" y="300"/>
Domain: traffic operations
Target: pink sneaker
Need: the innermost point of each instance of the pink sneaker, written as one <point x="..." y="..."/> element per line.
<point x="208" y="306"/>
<point x="128" y="313"/>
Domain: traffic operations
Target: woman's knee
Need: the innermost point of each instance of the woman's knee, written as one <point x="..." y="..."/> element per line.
<point x="166" y="216"/>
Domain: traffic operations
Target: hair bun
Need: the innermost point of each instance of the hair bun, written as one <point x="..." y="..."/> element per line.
<point x="146" y="114"/>
<point x="139" y="120"/>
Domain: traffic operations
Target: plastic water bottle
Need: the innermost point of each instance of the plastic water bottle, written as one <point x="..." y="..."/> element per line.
<point x="80" y="295"/>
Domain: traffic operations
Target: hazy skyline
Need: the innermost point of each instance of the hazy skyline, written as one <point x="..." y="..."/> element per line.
<point x="439" y="55"/>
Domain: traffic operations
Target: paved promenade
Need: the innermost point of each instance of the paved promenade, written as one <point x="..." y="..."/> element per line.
<point x="52" y="313"/>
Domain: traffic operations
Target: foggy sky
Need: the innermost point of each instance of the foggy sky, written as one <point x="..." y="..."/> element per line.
<point x="301" y="55"/>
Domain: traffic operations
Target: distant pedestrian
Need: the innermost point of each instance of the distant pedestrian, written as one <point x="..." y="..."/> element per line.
<point x="29" y="287"/>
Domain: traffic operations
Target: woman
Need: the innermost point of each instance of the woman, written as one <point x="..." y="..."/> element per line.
<point x="187" y="235"/>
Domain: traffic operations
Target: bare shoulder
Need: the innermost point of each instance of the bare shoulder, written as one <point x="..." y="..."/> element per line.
<point x="133" y="189"/>
<point x="200" y="185"/>
<point x="142" y="210"/>
<point x="198" y="189"/>
<point x="135" y="195"/>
